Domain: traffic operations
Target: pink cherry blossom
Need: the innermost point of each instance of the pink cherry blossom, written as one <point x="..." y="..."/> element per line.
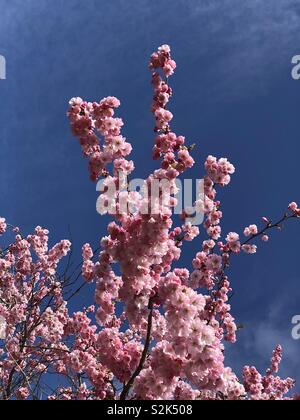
<point x="249" y="249"/>
<point x="154" y="330"/>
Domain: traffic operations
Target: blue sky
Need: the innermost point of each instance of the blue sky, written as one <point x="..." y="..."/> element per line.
<point x="233" y="97"/>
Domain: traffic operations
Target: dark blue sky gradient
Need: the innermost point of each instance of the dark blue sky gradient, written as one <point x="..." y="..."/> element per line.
<point x="233" y="97"/>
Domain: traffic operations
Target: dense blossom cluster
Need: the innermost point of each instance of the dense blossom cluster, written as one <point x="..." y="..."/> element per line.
<point x="157" y="331"/>
<point x="90" y="120"/>
<point x="268" y="387"/>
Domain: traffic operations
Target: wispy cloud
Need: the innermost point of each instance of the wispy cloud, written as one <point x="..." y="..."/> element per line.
<point x="251" y="43"/>
<point x="260" y="337"/>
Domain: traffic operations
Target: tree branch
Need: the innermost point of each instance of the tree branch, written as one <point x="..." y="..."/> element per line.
<point x="129" y="384"/>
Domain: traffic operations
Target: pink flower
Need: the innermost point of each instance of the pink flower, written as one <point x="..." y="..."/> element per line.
<point x="195" y="279"/>
<point x="87" y="252"/>
<point x="247" y="232"/>
<point x="232" y="237"/>
<point x="249" y="249"/>
<point x="75" y="101"/>
<point x="253" y="229"/>
<point x="276" y="360"/>
<point x="165" y="49"/>
<point x="293" y="206"/>
<point x="214" y="262"/>
<point x="152" y="334"/>
<point x="235" y="247"/>
<point x="22" y="393"/>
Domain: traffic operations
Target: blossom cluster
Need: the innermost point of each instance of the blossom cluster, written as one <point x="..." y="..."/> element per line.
<point x="91" y="120"/>
<point x="268" y="387"/>
<point x="156" y="331"/>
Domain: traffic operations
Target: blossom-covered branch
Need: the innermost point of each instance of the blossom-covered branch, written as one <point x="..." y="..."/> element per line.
<point x="157" y="331"/>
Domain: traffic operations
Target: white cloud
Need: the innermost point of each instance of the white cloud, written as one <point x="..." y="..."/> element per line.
<point x="254" y="42"/>
<point x="259" y="338"/>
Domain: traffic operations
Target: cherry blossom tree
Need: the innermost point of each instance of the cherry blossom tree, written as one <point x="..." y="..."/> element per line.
<point x="168" y="342"/>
